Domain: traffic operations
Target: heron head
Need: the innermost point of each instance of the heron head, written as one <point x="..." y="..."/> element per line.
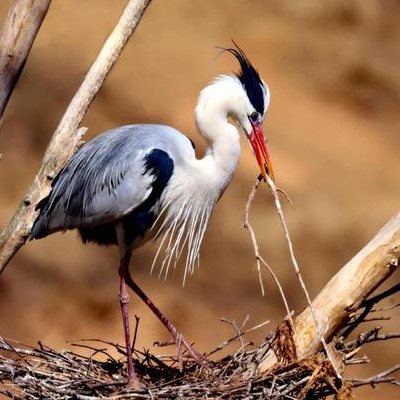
<point x="255" y="109"/>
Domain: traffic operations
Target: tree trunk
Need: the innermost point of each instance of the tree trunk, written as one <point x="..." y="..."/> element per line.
<point x="17" y="35"/>
<point x="66" y="139"/>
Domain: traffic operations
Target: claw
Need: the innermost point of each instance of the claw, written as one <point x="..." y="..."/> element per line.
<point x="180" y="341"/>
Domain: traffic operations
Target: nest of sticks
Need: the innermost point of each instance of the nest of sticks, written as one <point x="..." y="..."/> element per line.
<point x="41" y="372"/>
<point x="97" y="369"/>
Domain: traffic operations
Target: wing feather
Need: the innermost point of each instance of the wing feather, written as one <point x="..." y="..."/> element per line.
<point x="106" y="179"/>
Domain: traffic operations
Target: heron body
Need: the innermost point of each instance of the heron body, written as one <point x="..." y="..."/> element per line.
<point x="137" y="182"/>
<point x="119" y="175"/>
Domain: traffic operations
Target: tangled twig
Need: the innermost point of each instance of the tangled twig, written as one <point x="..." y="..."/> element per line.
<point x="293" y="259"/>
<point x="40" y="372"/>
<point x="259" y="259"/>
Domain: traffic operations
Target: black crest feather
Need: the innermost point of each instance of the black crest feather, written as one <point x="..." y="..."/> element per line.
<point x="249" y="78"/>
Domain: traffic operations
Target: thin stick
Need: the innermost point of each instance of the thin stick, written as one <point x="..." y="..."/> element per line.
<point x="234" y="338"/>
<point x="368" y="304"/>
<point x="259" y="258"/>
<point x="246" y="224"/>
<point x="239" y="331"/>
<point x="135" y="333"/>
<point x="298" y="273"/>
<point x="383" y="377"/>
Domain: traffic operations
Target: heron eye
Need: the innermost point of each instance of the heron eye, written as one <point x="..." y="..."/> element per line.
<point x="254" y="116"/>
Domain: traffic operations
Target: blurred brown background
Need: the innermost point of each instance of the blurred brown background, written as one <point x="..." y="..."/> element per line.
<point x="333" y="128"/>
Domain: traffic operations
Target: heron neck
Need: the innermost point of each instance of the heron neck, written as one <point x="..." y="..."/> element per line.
<point x="223" y="151"/>
<point x="219" y="100"/>
<point x="224" y="148"/>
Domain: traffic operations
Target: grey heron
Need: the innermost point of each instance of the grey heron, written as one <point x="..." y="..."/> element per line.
<point x="138" y="182"/>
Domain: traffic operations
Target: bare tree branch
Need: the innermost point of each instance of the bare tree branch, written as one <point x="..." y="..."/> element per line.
<point x="346" y="291"/>
<point x="383" y="377"/>
<point x="368" y="304"/>
<point x="66" y="139"/>
<point x="368" y="337"/>
<point x="20" y="28"/>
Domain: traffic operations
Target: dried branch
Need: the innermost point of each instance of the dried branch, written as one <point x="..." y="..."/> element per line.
<point x="236" y="337"/>
<point x="363" y="338"/>
<point x="346" y="291"/>
<point x="66" y="139"/>
<point x="368" y="304"/>
<point x="295" y="264"/>
<point x="383" y="377"/>
<point x="20" y="28"/>
<point x="259" y="259"/>
<point x="246" y="224"/>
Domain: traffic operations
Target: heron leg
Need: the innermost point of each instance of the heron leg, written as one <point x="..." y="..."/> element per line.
<point x="177" y="337"/>
<point x="133" y="380"/>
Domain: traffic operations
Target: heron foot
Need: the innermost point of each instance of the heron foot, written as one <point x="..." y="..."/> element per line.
<point x="134" y="383"/>
<point x="180" y="341"/>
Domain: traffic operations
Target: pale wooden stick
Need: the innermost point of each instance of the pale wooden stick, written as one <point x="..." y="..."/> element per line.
<point x="19" y="30"/>
<point x="246" y="224"/>
<point x="318" y="329"/>
<point x="345" y="292"/>
<point x="383" y="377"/>
<point x="66" y="139"/>
<point x="259" y="259"/>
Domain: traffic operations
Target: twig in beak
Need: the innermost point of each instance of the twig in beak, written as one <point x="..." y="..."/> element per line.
<point x="259" y="258"/>
<point x="321" y="338"/>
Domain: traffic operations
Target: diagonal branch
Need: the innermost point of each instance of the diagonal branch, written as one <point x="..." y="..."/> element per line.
<point x="19" y="30"/>
<point x="346" y="291"/>
<point x="66" y="139"/>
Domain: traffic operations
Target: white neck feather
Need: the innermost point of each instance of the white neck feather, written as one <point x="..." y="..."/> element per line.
<point x="217" y="102"/>
<point x="194" y="190"/>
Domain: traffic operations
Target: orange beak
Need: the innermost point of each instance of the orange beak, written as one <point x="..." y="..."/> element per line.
<point x="259" y="145"/>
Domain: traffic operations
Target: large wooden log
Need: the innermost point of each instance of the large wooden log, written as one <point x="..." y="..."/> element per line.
<point x="344" y="293"/>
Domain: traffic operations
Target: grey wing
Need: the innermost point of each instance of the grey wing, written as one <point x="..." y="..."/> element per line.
<point x="105" y="180"/>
